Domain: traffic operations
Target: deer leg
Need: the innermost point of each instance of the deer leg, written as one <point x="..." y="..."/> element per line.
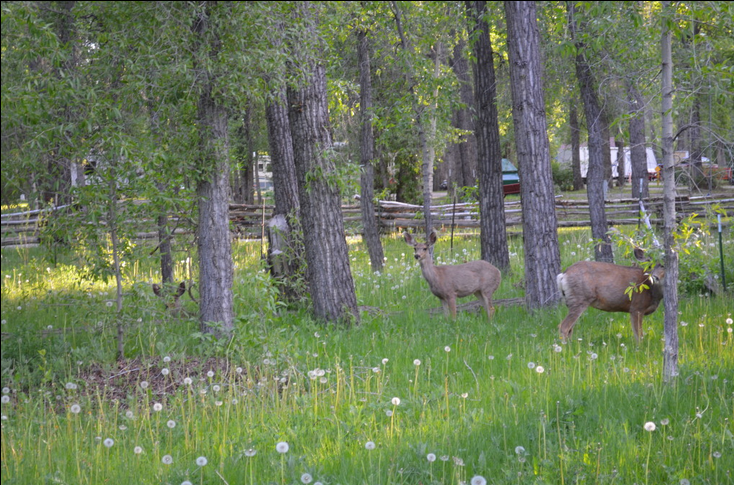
<point x="486" y="303"/>
<point x="566" y="326"/>
<point x="452" y="307"/>
<point x="446" y="309"/>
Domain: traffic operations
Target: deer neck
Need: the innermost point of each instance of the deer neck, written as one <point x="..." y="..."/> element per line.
<point x="429" y="271"/>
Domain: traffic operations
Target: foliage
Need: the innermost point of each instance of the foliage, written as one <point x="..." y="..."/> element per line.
<point x="562" y="176"/>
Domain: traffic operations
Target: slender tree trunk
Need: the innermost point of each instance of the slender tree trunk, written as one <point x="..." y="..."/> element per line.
<point x="491" y="197"/>
<point x="573" y="121"/>
<point x="598" y="145"/>
<point x="670" y="350"/>
<point x="540" y="234"/>
<point x="426" y="134"/>
<point x="328" y="274"/>
<point x="621" y="166"/>
<point x="638" y="149"/>
<point x="214" y="242"/>
<point x="367" y="176"/>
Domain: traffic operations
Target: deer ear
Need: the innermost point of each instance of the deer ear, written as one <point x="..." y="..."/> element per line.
<point x="181" y="289"/>
<point x="408" y="238"/>
<point x="156" y="289"/>
<point x="432" y="238"/>
<point x="640" y="255"/>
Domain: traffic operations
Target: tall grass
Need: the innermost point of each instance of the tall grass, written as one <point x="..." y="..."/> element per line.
<point x="504" y="400"/>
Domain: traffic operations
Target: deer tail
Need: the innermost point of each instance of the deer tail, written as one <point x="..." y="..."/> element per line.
<point x="561" y="283"/>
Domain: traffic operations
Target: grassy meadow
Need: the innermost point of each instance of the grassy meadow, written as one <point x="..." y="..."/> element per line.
<point x="405" y="397"/>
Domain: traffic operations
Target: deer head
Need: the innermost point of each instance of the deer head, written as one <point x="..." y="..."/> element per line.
<point x="478" y="278"/>
<point x="610" y="288"/>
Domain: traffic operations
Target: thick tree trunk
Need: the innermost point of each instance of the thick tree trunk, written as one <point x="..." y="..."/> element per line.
<point x="369" y="220"/>
<point x="491" y="197"/>
<point x="328" y="273"/>
<point x="638" y="149"/>
<point x="215" y="254"/>
<point x="670" y="350"/>
<point x="573" y="121"/>
<point x="466" y="153"/>
<point x="598" y="144"/>
<point x="540" y="235"/>
<point x="286" y="256"/>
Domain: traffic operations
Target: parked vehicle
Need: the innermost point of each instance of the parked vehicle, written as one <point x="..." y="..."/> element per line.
<point x="510" y="178"/>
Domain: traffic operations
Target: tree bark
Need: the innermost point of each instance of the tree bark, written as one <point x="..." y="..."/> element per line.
<point x="328" y="273"/>
<point x="598" y="132"/>
<point x="540" y="235"/>
<point x="491" y="197"/>
<point x="638" y="149"/>
<point x="215" y="254"/>
<point x="619" y="143"/>
<point x="465" y="174"/>
<point x="573" y="121"/>
<point x="367" y="176"/>
<point x="286" y="254"/>
<point x="670" y="350"/>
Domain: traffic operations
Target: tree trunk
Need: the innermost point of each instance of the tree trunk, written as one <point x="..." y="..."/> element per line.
<point x="369" y="220"/>
<point x="286" y="258"/>
<point x="328" y="273"/>
<point x="621" y="166"/>
<point x="670" y="350"/>
<point x="466" y="160"/>
<point x="573" y="121"/>
<point x="598" y="145"/>
<point x="638" y="149"/>
<point x="540" y="235"/>
<point x="212" y="189"/>
<point x="491" y="197"/>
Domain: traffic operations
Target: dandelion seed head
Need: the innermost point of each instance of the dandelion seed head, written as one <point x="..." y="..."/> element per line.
<point x="108" y="442"/>
<point x="519" y="450"/>
<point x="447" y="348"/>
<point x="250" y="452"/>
<point x="395" y="401"/>
<point x="388" y="412"/>
<point x="417" y="362"/>
<point x="478" y="480"/>
<point x="370" y="445"/>
<point x="531" y="365"/>
<point x="165" y="371"/>
<point x="187" y="381"/>
<point x="6" y="390"/>
<point x="210" y="373"/>
<point x="144" y="384"/>
<point x="75" y="408"/>
<point x="171" y="423"/>
<point x="539" y="369"/>
<point x="137" y="450"/>
<point x="216" y="388"/>
<point x="167" y="459"/>
<point x="664" y="421"/>
<point x="385" y="361"/>
<point x="166" y="359"/>
<point x="282" y="447"/>
<point x="5" y="399"/>
<point x="431" y="457"/>
<point x="306" y="478"/>
<point x="202" y="461"/>
<point x="649" y="426"/>
<point x="70" y="386"/>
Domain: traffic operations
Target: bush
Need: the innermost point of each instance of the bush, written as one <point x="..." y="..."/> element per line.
<point x="562" y="176"/>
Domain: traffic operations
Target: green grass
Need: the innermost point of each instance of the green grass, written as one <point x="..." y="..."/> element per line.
<point x="478" y="400"/>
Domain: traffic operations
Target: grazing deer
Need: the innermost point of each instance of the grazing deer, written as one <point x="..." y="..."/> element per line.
<point x="174" y="305"/>
<point x="606" y="287"/>
<point x="477" y="278"/>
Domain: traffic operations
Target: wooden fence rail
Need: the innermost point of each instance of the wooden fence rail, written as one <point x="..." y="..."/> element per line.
<point x="22" y="229"/>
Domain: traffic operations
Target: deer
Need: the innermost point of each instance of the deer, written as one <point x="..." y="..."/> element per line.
<point x="449" y="282"/>
<point x="174" y="304"/>
<point x="610" y="288"/>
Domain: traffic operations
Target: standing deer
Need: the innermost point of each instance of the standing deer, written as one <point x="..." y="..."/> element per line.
<point x="477" y="278"/>
<point x="605" y="286"/>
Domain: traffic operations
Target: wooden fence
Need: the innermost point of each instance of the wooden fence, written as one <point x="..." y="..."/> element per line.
<point x="22" y="229"/>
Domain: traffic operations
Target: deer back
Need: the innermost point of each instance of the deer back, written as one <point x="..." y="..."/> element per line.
<point x="604" y="286"/>
<point x="465" y="279"/>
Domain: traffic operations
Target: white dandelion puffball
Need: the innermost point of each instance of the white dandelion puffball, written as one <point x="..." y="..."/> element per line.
<point x="385" y="361"/>
<point x="186" y="482"/>
<point x="282" y="447"/>
<point x="216" y="388"/>
<point x="165" y="371"/>
<point x="75" y="408"/>
<point x="108" y="442"/>
<point x="478" y="480"/>
<point x="417" y="362"/>
<point x="539" y="369"/>
<point x="137" y="450"/>
<point x="306" y="478"/>
<point x="447" y="348"/>
<point x="167" y="459"/>
<point x="431" y="457"/>
<point x="5" y="399"/>
<point x="202" y="461"/>
<point x="531" y="365"/>
<point x="370" y="445"/>
<point x="171" y="423"/>
<point x="166" y="359"/>
<point x="157" y="406"/>
<point x="519" y="450"/>
<point x="187" y="381"/>
<point x="649" y="426"/>
<point x="210" y="373"/>
<point x="395" y="401"/>
<point x="144" y="384"/>
<point x="250" y="452"/>
<point x="70" y="386"/>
